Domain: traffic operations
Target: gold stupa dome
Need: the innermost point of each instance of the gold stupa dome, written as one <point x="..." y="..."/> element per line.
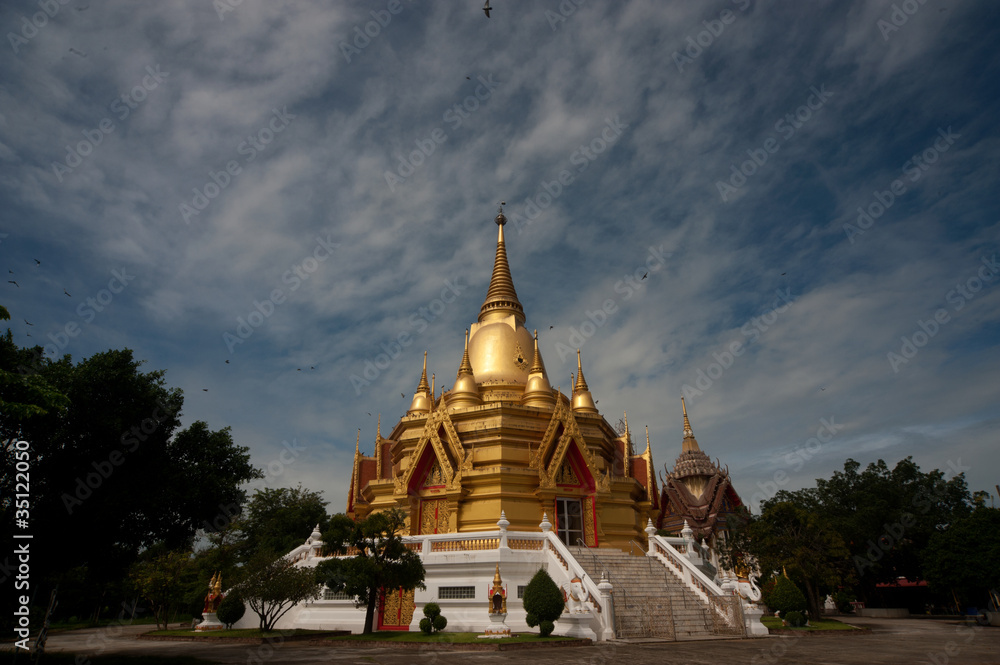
<point x="500" y="347"/>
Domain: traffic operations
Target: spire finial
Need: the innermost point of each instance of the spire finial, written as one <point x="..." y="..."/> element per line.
<point x="466" y="366"/>
<point x="378" y="428"/>
<point x="647" y="438"/>
<point x="422" y="386"/>
<point x="357" y="444"/>
<point x="537" y="366"/>
<point x="433" y="394"/>
<point x="581" y="383"/>
<point x="690" y="443"/>
<point x="501" y="296"/>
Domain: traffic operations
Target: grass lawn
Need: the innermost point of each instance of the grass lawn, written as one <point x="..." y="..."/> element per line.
<point x="772" y="623"/>
<point x="70" y="659"/>
<point x="449" y="638"/>
<point x="235" y="632"/>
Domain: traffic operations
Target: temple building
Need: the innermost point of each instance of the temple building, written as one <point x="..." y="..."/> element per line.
<point x="697" y="492"/>
<point x="503" y="472"/>
<point x="503" y="439"/>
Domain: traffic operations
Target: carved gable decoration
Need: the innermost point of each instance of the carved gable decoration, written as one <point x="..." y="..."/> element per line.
<point x="562" y="437"/>
<point x="441" y="439"/>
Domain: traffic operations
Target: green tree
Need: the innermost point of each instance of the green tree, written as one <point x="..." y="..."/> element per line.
<point x="543" y="602"/>
<point x="278" y="520"/>
<point x="964" y="558"/>
<point x="159" y="580"/>
<point x="888" y="516"/>
<point x="803" y="542"/>
<point x="231" y="609"/>
<point x="112" y="469"/>
<point x="272" y="585"/>
<point x="382" y="561"/>
<point x="785" y="597"/>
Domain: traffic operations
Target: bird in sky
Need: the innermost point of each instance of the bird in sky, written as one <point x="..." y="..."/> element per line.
<point x="644" y="275"/>
<point x="487" y="8"/>
<point x="67" y="293"/>
<point x="29" y="322"/>
<point x="10" y="281"/>
<point x="37" y="262"/>
<point x="227" y="362"/>
<point x="403" y="395"/>
<point x="204" y="390"/>
<point x="79" y="53"/>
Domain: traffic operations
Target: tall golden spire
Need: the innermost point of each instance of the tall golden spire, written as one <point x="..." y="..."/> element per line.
<point x="378" y="447"/>
<point x="690" y="443"/>
<point x="433" y="395"/>
<point x="582" y="399"/>
<point x="357" y="444"/>
<point x="501" y="296"/>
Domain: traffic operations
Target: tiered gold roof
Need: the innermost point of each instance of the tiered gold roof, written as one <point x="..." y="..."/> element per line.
<point x="503" y="438"/>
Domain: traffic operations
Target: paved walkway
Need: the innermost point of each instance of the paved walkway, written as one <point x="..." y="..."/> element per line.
<point x="891" y="641"/>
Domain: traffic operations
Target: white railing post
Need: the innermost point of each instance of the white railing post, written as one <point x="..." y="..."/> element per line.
<point x="650" y="532"/>
<point x="503" y="523"/>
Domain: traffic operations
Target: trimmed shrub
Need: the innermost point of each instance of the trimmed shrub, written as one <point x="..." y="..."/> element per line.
<point x="843" y="600"/>
<point x="786" y="597"/>
<point x="432" y="621"/>
<point x="795" y="619"/>
<point x="543" y="602"/>
<point x="231" y="610"/>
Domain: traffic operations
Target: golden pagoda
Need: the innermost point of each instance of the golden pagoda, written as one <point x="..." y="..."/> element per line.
<point x="503" y="438"/>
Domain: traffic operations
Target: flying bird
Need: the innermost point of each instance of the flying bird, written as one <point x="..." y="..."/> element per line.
<point x="783" y="274"/>
<point x="369" y="414"/>
<point x="487" y="8"/>
<point x="644" y="275"/>
<point x="37" y="262"/>
<point x="79" y="53"/>
<point x="67" y="293"/>
<point x="29" y="322"/>
<point x="467" y="78"/>
<point x="312" y="367"/>
<point x="403" y="395"/>
<point x="204" y="390"/>
<point x="10" y="281"/>
<point x="551" y="327"/>
<point x="227" y="362"/>
<point x="299" y="369"/>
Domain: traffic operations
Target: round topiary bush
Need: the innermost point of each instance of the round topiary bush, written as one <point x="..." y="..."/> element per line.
<point x="230" y="610"/>
<point x="545" y="628"/>
<point x="795" y="619"/>
<point x="433" y="620"/>
<point x="543" y="602"/>
<point x="786" y="597"/>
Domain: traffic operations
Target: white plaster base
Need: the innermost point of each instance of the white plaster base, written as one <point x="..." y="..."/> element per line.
<point x="574" y="625"/>
<point x="751" y="618"/>
<point x="211" y="622"/>
<point x="497" y="629"/>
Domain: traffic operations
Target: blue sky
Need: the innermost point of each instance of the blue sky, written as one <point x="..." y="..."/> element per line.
<point x="187" y="166"/>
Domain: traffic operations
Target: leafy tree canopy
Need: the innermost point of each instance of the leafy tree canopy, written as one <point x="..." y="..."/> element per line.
<point x="279" y="520"/>
<point x="381" y="563"/>
<point x="272" y="585"/>
<point x="965" y="558"/>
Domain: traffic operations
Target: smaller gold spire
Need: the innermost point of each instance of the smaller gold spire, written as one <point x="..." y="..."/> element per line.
<point x="581" y="383"/>
<point x="537" y="365"/>
<point x="690" y="443"/>
<point x="647" y="440"/>
<point x="497" y="582"/>
<point x="433" y="395"/>
<point x="378" y="429"/>
<point x="582" y="399"/>
<point x="422" y="386"/>
<point x="466" y="366"/>
<point x="357" y="444"/>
